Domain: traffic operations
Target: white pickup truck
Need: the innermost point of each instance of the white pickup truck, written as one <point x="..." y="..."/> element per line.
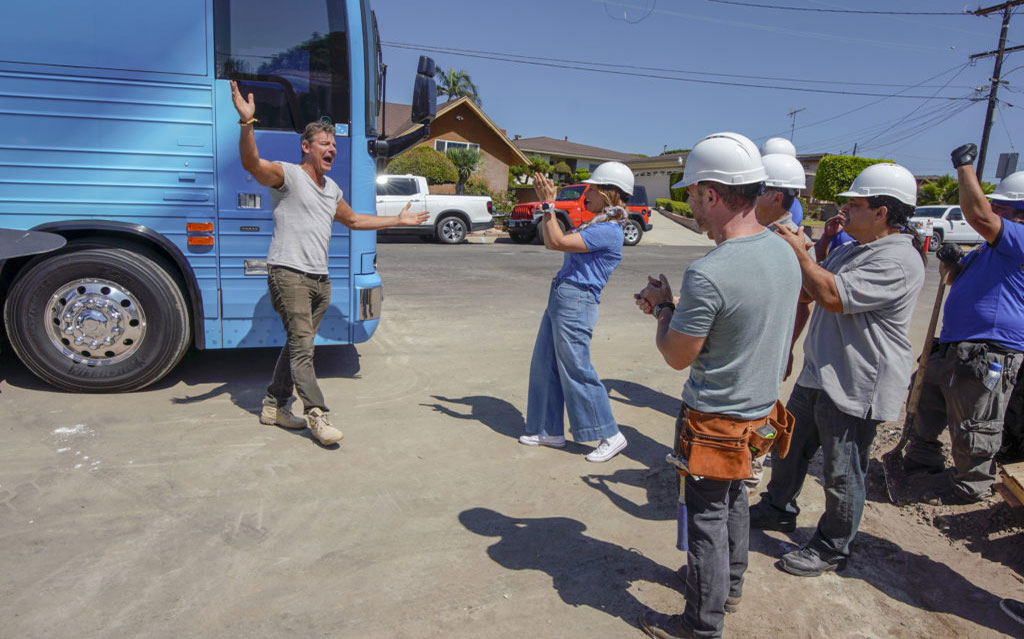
<point x="451" y="216"/>
<point x="948" y="225"/>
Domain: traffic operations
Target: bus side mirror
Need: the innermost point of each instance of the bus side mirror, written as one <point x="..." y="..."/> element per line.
<point x="424" y="95"/>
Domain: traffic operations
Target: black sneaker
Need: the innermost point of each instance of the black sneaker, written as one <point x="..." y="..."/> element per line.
<point x="765" y="517"/>
<point x="662" y="626"/>
<point x="808" y="562"/>
<point x="912" y="467"/>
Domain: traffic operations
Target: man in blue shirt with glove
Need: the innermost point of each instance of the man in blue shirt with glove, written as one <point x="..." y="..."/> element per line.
<point x="973" y="367"/>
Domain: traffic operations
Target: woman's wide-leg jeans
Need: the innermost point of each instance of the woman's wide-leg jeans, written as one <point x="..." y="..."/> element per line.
<point x="562" y="379"/>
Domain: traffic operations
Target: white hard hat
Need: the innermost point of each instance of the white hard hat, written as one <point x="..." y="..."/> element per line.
<point x="784" y="171"/>
<point x="885" y="179"/>
<point x="729" y="158"/>
<point x="778" y="145"/>
<point x="613" y="174"/>
<point x="1011" y="189"/>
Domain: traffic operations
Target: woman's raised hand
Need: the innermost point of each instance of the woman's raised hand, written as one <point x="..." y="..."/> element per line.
<point x="545" y="187"/>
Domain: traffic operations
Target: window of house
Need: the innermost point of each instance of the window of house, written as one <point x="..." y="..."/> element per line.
<point x="444" y="145"/>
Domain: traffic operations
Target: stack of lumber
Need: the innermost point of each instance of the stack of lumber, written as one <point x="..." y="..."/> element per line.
<point x="1012" y="486"/>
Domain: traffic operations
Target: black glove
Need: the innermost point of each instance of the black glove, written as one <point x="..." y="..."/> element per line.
<point x="964" y="154"/>
<point x="949" y="253"/>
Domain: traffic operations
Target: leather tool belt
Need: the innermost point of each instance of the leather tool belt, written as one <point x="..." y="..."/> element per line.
<point x="720" y="446"/>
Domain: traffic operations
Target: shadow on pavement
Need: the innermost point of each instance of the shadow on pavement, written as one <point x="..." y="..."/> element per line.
<point x="911" y="578"/>
<point x="584" y="571"/>
<point x="243" y="374"/>
<point x="640" y="396"/>
<point x="661" y="484"/>
<point x="505" y="419"/>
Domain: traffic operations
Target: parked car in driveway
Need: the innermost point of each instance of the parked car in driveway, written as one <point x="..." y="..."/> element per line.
<point x="451" y="216"/>
<point x="524" y="223"/>
<point x="948" y="225"/>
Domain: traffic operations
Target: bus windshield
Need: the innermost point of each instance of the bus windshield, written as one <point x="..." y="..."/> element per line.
<point x="296" y="65"/>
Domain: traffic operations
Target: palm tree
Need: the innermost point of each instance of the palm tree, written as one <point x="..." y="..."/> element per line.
<point x="944" y="190"/>
<point x="456" y="84"/>
<point x="466" y="161"/>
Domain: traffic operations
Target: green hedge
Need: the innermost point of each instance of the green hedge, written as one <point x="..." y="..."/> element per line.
<point x="675" y="206"/>
<point x="837" y="172"/>
<point x="427" y="162"/>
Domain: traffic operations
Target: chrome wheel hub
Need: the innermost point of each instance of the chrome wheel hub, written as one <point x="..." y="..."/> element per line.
<point x="95" y="322"/>
<point x="452" y="230"/>
<point x="630" y="232"/>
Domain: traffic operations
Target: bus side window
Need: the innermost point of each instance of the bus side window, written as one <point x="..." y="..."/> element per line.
<point x="297" y="68"/>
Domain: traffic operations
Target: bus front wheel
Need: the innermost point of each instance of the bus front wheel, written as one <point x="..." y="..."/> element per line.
<point x="97" y="319"/>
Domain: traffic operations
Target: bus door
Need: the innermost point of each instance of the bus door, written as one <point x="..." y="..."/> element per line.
<point x="296" y="65"/>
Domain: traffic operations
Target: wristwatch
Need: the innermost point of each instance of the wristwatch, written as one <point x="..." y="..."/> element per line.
<point x="660" y="306"/>
<point x="547" y="207"/>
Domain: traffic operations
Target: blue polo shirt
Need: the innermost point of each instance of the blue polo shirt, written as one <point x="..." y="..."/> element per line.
<point x="797" y="211"/>
<point x="840" y="238"/>
<point x="592" y="269"/>
<point x="986" y="301"/>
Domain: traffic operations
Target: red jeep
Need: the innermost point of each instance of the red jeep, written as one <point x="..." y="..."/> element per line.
<point x="524" y="226"/>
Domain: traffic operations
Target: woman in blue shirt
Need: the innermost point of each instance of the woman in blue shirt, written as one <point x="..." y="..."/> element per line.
<point x="562" y="379"/>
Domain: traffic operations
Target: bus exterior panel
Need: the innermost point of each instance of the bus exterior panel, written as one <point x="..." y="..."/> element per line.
<point x="120" y="114"/>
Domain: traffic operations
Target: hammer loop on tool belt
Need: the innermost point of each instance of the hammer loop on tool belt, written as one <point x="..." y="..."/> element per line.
<point x="720" y="446"/>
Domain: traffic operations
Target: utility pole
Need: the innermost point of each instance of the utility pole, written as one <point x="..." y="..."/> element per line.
<point x="998" y="53"/>
<point x="792" y="114"/>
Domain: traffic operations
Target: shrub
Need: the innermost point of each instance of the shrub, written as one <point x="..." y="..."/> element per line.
<point x="427" y="162"/>
<point x="562" y="169"/>
<point x="504" y="201"/>
<point x="680" y="194"/>
<point x="538" y="165"/>
<point x="476" y="185"/>
<point x="836" y="173"/>
<point x="582" y="174"/>
<point x="518" y="175"/>
<point x="675" y="206"/>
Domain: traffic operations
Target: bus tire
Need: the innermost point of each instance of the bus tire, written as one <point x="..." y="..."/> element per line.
<point x="97" y="319"/>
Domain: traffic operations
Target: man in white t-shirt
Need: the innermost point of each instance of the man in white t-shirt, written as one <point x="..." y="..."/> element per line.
<point x="306" y="203"/>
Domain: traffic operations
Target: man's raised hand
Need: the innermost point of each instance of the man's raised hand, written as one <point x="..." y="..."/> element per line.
<point x="246" y="108"/>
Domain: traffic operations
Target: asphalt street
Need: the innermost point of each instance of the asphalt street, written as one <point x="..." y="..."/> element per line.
<point x="172" y="512"/>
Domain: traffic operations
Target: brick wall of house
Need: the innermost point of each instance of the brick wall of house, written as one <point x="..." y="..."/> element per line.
<point x="497" y="155"/>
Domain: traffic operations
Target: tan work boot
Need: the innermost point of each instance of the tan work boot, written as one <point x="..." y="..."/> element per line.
<point x="272" y="415"/>
<point x="320" y="425"/>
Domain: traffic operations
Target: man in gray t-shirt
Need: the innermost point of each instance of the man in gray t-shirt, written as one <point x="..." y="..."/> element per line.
<point x="732" y="327"/>
<point x="857" y="361"/>
<point x="306" y="204"/>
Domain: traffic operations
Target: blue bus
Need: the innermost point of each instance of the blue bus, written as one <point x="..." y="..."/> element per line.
<point x="117" y="133"/>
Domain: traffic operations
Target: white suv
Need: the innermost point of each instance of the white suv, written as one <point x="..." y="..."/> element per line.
<point x="948" y="225"/>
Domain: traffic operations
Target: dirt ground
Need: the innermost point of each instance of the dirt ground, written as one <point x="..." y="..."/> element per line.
<point x="173" y="513"/>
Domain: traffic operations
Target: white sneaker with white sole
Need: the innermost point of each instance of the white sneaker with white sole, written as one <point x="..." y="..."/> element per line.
<point x="553" y="441"/>
<point x="608" y="448"/>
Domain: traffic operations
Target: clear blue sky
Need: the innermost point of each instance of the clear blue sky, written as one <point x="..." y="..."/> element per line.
<point x="879" y="54"/>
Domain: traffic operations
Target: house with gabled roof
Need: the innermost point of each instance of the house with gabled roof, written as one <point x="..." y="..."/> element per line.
<point x="575" y="155"/>
<point x="460" y="123"/>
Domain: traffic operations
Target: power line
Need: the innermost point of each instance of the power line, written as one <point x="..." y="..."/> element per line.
<point x="458" y="50"/>
<point x="813" y="10"/>
<point x="830" y="37"/>
<point x="578" y="67"/>
<point x="957" y="68"/>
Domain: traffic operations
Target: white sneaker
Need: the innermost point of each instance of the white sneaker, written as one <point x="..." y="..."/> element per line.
<point x="542" y="440"/>
<point x="608" y="448"/>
